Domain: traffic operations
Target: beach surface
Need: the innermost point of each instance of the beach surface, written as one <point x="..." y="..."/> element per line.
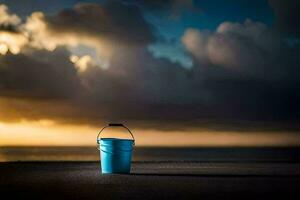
<point x="218" y="174"/>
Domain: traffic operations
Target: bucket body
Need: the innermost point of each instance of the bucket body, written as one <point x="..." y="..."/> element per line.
<point x="115" y="155"/>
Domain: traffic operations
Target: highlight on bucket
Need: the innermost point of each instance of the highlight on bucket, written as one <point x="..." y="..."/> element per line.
<point x="115" y="153"/>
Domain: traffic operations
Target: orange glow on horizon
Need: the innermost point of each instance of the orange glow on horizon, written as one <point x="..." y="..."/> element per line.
<point x="48" y="133"/>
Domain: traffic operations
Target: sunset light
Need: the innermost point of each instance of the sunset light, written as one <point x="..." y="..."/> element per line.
<point x="149" y="99"/>
<point x="48" y="133"/>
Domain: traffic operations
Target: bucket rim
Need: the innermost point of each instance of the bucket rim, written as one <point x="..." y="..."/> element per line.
<point x="111" y="139"/>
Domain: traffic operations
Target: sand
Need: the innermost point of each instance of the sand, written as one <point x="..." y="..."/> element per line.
<point x="151" y="180"/>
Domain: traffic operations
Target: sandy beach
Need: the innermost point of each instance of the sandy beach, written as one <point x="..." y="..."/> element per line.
<point x="158" y="179"/>
<point x="82" y="180"/>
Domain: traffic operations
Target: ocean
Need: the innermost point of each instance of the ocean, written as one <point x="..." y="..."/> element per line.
<point x="207" y="154"/>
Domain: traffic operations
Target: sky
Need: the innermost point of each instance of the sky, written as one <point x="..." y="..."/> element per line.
<point x="176" y="68"/>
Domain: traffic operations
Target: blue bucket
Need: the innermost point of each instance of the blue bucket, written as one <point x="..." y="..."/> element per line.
<point x="115" y="153"/>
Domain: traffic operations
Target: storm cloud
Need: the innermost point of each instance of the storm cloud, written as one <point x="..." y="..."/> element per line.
<point x="251" y="48"/>
<point x="287" y="16"/>
<point x="113" y="21"/>
<point x="250" y="71"/>
<point x="38" y="73"/>
<point x="91" y="64"/>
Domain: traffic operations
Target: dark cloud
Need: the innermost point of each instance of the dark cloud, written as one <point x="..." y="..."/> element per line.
<point x="112" y="21"/>
<point x="38" y="73"/>
<point x="248" y="69"/>
<point x="172" y="8"/>
<point x="163" y="4"/>
<point x="251" y="50"/>
<point x="159" y="92"/>
<point x="241" y="72"/>
<point x="136" y="84"/>
<point x="287" y="15"/>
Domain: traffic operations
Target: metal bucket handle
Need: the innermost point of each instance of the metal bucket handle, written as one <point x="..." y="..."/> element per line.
<point x="113" y="124"/>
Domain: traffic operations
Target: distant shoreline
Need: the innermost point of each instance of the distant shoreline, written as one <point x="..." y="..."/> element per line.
<point x="214" y="154"/>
